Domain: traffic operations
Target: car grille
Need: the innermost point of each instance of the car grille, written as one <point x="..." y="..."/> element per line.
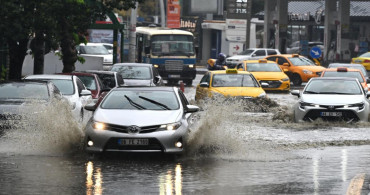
<point x="154" y="144"/>
<point x="318" y="73"/>
<point x="272" y="84"/>
<point x="347" y="115"/>
<point x="174" y="65"/>
<point x="124" y="129"/>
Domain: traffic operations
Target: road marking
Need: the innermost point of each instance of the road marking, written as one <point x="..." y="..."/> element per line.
<point x="355" y="186"/>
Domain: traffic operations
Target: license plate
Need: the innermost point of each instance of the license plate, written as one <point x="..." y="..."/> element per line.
<point x="173" y="76"/>
<point x="331" y="114"/>
<point x="126" y="142"/>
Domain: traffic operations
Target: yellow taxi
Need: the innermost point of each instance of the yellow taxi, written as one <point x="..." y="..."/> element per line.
<point x="268" y="72"/>
<point x="363" y="59"/>
<point x="298" y="68"/>
<point x="229" y="83"/>
<point x="346" y="72"/>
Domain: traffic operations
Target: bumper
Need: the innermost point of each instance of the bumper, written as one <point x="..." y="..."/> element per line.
<point x="158" y="141"/>
<point x="347" y="114"/>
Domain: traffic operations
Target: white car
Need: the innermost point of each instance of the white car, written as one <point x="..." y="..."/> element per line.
<point x="71" y="88"/>
<point x="97" y="50"/>
<point x="251" y="54"/>
<point x="332" y="99"/>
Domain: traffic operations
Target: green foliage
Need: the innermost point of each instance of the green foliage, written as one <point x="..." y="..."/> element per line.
<point x="3" y="73"/>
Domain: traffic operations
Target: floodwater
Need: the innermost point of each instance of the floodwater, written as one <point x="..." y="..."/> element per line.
<point x="234" y="148"/>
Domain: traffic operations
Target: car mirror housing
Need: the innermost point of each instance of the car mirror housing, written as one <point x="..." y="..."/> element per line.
<point x="263" y="84"/>
<point x="191" y="108"/>
<point x="90" y="107"/>
<point x="85" y="92"/>
<point x="204" y="84"/>
<point x="295" y="92"/>
<point x="286" y="64"/>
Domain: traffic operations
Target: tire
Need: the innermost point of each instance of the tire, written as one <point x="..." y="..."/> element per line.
<point x="296" y="79"/>
<point x="189" y="82"/>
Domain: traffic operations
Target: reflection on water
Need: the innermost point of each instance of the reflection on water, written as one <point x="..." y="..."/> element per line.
<point x="170" y="185"/>
<point x="94" y="180"/>
<point x="316" y="170"/>
<point x="344" y="164"/>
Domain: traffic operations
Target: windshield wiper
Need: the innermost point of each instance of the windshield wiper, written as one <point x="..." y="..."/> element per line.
<point x="136" y="105"/>
<point x="339" y="93"/>
<point x="311" y="92"/>
<point x="155" y="102"/>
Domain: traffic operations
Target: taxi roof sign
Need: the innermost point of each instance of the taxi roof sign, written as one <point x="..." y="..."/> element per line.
<point x="231" y="71"/>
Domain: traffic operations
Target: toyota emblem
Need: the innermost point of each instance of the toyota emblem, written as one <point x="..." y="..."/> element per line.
<point x="133" y="129"/>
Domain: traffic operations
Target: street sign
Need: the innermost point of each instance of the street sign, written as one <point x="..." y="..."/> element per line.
<point x="315" y="52"/>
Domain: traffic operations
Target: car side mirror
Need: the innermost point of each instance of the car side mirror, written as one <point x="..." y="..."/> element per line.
<point x="191" y="108"/>
<point x="90" y="107"/>
<point x="85" y="92"/>
<point x="295" y="92"/>
<point x="263" y="84"/>
<point x="156" y="79"/>
<point x="254" y="55"/>
<point x="204" y="84"/>
<point x="286" y="64"/>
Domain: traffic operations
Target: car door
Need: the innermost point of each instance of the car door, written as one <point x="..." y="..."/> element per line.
<point x="258" y="54"/>
<point x="202" y="91"/>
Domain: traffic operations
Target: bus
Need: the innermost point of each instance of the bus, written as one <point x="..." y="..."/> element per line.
<point x="171" y="51"/>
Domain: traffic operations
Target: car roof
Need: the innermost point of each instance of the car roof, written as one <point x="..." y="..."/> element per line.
<point x="224" y="72"/>
<point x="334" y="78"/>
<point x="258" y="61"/>
<point x="91" y="44"/>
<point x="345" y="64"/>
<point x="144" y="88"/>
<point x="79" y="74"/>
<point x="132" y="64"/>
<point x="348" y="69"/>
<point x="49" y="76"/>
<point x="100" y="72"/>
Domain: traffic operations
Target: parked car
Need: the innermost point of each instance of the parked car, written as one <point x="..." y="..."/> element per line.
<point x="250" y="54"/>
<point x="229" y="83"/>
<point x="97" y="50"/>
<point x="138" y="74"/>
<point x="346" y="72"/>
<point x="354" y="66"/>
<point x="268" y="72"/>
<point x="332" y="98"/>
<point x="20" y="100"/>
<point x="72" y="89"/>
<point x="140" y="119"/>
<point x="110" y="79"/>
<point x="298" y="68"/>
<point x="108" y="46"/>
<point x="363" y="59"/>
<point x="91" y="81"/>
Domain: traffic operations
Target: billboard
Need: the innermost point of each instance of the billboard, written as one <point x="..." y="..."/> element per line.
<point x="173" y="13"/>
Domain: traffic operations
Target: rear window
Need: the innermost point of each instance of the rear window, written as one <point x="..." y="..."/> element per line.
<point x="89" y="82"/>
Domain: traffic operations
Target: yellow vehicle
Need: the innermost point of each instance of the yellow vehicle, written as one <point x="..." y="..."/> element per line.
<point x="363" y="59"/>
<point x="298" y="68"/>
<point x="229" y="83"/>
<point x="268" y="72"/>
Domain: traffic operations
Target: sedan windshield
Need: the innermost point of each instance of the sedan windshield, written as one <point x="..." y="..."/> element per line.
<point x="94" y="49"/>
<point x="141" y="100"/>
<point x="301" y="61"/>
<point x="350" y="74"/>
<point x="233" y="80"/>
<point x="335" y="86"/>
<point x="134" y="72"/>
<point x="263" y="67"/>
<point x="24" y="91"/>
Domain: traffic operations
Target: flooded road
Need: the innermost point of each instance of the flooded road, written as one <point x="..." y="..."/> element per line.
<point x="234" y="149"/>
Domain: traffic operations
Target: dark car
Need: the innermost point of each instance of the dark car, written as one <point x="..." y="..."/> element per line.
<point x="110" y="79"/>
<point x="91" y="81"/>
<point x="138" y="74"/>
<point x="20" y="100"/>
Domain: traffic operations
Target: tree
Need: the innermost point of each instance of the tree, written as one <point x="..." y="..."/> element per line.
<point x="51" y="21"/>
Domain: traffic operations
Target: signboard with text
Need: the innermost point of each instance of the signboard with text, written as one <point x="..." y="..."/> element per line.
<point x="236" y="9"/>
<point x="173" y="13"/>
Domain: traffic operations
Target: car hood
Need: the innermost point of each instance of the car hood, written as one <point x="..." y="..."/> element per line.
<point x="137" y="117"/>
<point x="239" y="91"/>
<point x="312" y="68"/>
<point x="137" y="82"/>
<point x="332" y="99"/>
<point x="238" y="57"/>
<point x="269" y="75"/>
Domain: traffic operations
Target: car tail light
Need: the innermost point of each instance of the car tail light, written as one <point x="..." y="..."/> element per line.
<point x="366" y="61"/>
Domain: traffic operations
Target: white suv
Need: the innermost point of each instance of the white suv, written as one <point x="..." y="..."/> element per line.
<point x="251" y="54"/>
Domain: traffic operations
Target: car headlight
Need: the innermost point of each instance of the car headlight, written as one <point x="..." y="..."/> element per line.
<point x="302" y="105"/>
<point x="262" y="94"/>
<point x="191" y="65"/>
<point x="360" y="106"/>
<point x="170" y="127"/>
<point x="99" y="126"/>
<point x="285" y="79"/>
<point x="307" y="71"/>
<point x="156" y="65"/>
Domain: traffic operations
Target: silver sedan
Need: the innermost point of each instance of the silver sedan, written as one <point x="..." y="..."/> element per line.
<point x="332" y="98"/>
<point x="140" y="119"/>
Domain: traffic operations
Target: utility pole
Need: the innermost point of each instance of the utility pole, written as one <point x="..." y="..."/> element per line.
<point x="248" y="28"/>
<point x="163" y="15"/>
<point x="132" y="45"/>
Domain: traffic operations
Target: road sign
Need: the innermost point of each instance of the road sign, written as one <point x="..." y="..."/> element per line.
<point x="315" y="52"/>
